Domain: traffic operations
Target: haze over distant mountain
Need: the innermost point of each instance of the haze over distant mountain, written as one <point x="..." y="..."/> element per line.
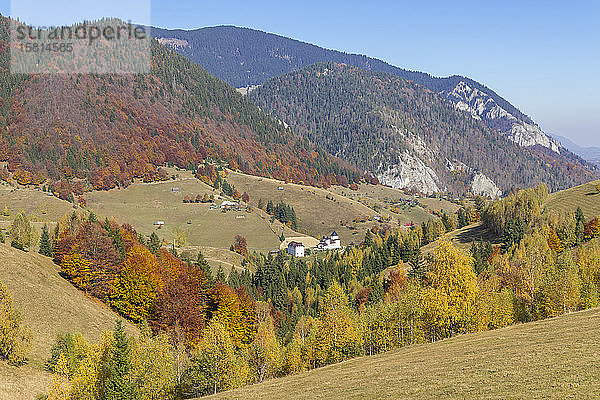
<point x="407" y="135"/>
<point x="591" y="154"/>
<point x="245" y="57"/>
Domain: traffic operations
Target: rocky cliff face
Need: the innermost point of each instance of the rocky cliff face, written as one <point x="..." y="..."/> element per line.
<point x="483" y="107"/>
<point x="409" y="173"/>
<point x="484" y="186"/>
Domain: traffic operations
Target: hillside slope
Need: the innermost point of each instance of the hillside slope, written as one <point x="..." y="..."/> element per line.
<point x="49" y="305"/>
<point x="405" y="134"/>
<point x="586" y="196"/>
<point x="246" y="57"/>
<point x="554" y="358"/>
<point x="109" y="129"/>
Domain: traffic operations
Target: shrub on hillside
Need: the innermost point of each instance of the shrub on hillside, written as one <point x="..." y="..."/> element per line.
<point x="15" y="339"/>
<point x="21" y="232"/>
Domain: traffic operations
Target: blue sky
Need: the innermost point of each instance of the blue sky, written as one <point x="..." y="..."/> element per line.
<point x="542" y="56"/>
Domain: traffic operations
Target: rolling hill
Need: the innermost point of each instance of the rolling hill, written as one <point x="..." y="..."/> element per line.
<point x="49" y="305"/>
<point x="407" y="135"/>
<point x="586" y="196"/>
<point x="142" y="204"/>
<point x="554" y="358"/>
<point x="246" y="57"/>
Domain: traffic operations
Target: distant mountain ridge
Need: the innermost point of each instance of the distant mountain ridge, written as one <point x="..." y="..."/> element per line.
<point x="591" y="154"/>
<point x="246" y="57"/>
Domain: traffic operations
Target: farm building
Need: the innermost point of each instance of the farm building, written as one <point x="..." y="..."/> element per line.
<point x="159" y="224"/>
<point x="226" y="204"/>
<point x="295" y="249"/>
<point x="330" y="243"/>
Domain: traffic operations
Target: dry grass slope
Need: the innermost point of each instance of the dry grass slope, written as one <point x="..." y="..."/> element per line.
<point x="319" y="211"/>
<point x="39" y="206"/>
<point x="463" y="238"/>
<point x="49" y="305"/>
<point x="142" y="204"/>
<point x="585" y="196"/>
<point x="555" y="358"/>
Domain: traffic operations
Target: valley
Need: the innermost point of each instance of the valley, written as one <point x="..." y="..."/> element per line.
<point x="195" y="226"/>
<point x="257" y="217"/>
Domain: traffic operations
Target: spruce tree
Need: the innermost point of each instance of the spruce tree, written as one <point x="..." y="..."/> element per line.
<point x="119" y="243"/>
<point x="203" y="265"/>
<point x="368" y="238"/>
<point x="154" y="243"/>
<point x="55" y="238"/>
<point x="117" y="384"/>
<point x="234" y="279"/>
<point x="418" y="267"/>
<point x="579" y="231"/>
<point x="220" y="275"/>
<point x="579" y="216"/>
<point x="45" y="246"/>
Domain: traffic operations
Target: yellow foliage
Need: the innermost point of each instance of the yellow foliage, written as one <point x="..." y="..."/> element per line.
<point x="265" y="352"/>
<point x="60" y="386"/>
<point x="77" y="269"/>
<point x="339" y="335"/>
<point x="450" y="300"/>
<point x="136" y="285"/>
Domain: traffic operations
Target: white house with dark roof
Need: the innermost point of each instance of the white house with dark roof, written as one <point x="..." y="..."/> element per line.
<point x="295" y="249"/>
<point x="330" y="243"/>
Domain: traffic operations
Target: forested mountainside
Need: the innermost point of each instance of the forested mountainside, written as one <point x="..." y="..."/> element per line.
<point x="245" y="57"/>
<point x="108" y="129"/>
<point x="406" y="134"/>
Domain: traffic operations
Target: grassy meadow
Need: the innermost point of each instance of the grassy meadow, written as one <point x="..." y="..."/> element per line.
<point x="49" y="305"/>
<point x="38" y="205"/>
<point x="387" y="196"/>
<point x="350" y="213"/>
<point x="551" y="359"/>
<point x="142" y="204"/>
<point x="464" y="237"/>
<point x="585" y="196"/>
<point x="318" y="211"/>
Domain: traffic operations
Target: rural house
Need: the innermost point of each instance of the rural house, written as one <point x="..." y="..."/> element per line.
<point x="295" y="249"/>
<point x="228" y="205"/>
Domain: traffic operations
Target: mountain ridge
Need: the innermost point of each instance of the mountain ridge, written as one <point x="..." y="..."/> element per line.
<point x="408" y="135"/>
<point x="106" y="130"/>
<point x="588" y="153"/>
<point x="246" y="57"/>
